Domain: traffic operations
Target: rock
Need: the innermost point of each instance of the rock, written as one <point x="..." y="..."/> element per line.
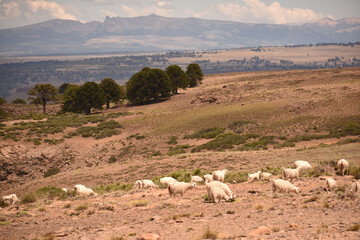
<point x="221" y="236"/>
<point x="260" y="231"/>
<point x="150" y="236"/>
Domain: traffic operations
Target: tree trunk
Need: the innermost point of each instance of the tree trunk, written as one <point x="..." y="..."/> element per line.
<point x="107" y="104"/>
<point x="44" y="106"/>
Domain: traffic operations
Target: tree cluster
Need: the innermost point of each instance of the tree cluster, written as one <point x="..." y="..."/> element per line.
<point x="147" y="85"/>
<point x="152" y="84"/>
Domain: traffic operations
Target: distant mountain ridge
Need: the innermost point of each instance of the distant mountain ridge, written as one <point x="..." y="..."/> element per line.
<point x="156" y="33"/>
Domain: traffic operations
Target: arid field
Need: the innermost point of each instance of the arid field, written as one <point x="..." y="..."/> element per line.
<point x="243" y="122"/>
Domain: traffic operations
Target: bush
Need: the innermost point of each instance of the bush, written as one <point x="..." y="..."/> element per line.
<point x="222" y="142"/>
<point x="181" y="175"/>
<point x="239" y="126"/>
<point x="19" y="101"/>
<point x="101" y="189"/>
<point x="28" y="198"/>
<point x="51" y="172"/>
<point x="206" y="133"/>
<point x="236" y="176"/>
<point x="2" y="101"/>
<point x="173" y="140"/>
<point x="354" y="171"/>
<point x="3" y="115"/>
<point x="179" y="149"/>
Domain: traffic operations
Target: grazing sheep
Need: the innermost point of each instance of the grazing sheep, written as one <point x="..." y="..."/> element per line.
<point x="343" y="166"/>
<point x="218" y="193"/>
<point x="84" y="191"/>
<point x="167" y="180"/>
<point x="302" y="164"/>
<point x="179" y="188"/>
<point x="10" y="199"/>
<point x="65" y="189"/>
<point x="224" y="186"/>
<point x="254" y="176"/>
<point x="196" y="179"/>
<point x="146" y="183"/>
<point x="138" y="184"/>
<point x="219" y="175"/>
<point x="291" y="174"/>
<point x="355" y="188"/>
<point x="330" y="184"/>
<point x="208" y="177"/>
<point x="281" y="185"/>
<point x="266" y="176"/>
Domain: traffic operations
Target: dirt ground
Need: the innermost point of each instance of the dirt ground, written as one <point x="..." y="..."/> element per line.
<point x="311" y="214"/>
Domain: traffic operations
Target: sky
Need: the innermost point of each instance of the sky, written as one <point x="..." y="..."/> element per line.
<point x="15" y="13"/>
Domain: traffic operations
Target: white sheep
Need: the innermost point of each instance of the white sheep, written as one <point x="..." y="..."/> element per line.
<point x="224" y="186"/>
<point x="291" y="174"/>
<point x="138" y="184"/>
<point x="343" y="166"/>
<point x="219" y="175"/>
<point x="253" y="176"/>
<point x="167" y="180"/>
<point x="196" y="179"/>
<point x="65" y="190"/>
<point x="330" y="184"/>
<point x="179" y="188"/>
<point x="10" y="199"/>
<point x="266" y="176"/>
<point x="208" y="177"/>
<point x="355" y="188"/>
<point x="146" y="183"/>
<point x="302" y="164"/>
<point x="84" y="191"/>
<point x="281" y="185"/>
<point x="218" y="193"/>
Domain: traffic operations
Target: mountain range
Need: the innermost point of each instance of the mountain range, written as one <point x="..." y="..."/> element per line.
<point x="156" y="33"/>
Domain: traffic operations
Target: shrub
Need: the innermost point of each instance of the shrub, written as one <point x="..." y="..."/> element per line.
<point x="137" y="136"/>
<point x="3" y="115"/>
<point x="28" y="198"/>
<point x="179" y="149"/>
<point x="112" y="159"/>
<point x="354" y="171"/>
<point x="2" y="101"/>
<point x="139" y="203"/>
<point x="51" y="172"/>
<point x="236" y="176"/>
<point x="181" y="175"/>
<point x="173" y="140"/>
<point x="222" y="142"/>
<point x="209" y="234"/>
<point x="239" y="126"/>
<point x="19" y="101"/>
<point x="355" y="227"/>
<point x="206" y="133"/>
<point x="101" y="189"/>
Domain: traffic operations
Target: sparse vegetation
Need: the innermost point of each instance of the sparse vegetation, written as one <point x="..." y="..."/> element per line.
<point x="209" y="234"/>
<point x="51" y="172"/>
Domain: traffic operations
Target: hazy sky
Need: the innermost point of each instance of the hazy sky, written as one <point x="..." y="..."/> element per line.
<point x="14" y="13"/>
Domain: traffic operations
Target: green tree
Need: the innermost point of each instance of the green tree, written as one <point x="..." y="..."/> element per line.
<point x="178" y="78"/>
<point x="2" y="100"/>
<point x="195" y="74"/>
<point x="113" y="92"/>
<point x="88" y="96"/>
<point x="148" y="85"/>
<point x="63" y="87"/>
<point x="18" y="101"/>
<point x="69" y="99"/>
<point x="42" y="94"/>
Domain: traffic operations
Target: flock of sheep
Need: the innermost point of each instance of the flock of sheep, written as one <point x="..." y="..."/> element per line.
<point x="217" y="190"/>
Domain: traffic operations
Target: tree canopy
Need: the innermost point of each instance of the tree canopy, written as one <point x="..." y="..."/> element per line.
<point x="195" y="74"/>
<point x="113" y="92"/>
<point x="42" y="94"/>
<point x="69" y="99"/>
<point x="148" y="85"/>
<point x="88" y="96"/>
<point x="178" y="78"/>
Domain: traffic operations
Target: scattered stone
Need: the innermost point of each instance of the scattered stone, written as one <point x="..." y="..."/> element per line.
<point x="150" y="236"/>
<point x="262" y="230"/>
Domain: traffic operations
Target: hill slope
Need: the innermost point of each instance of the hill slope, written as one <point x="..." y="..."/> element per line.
<point x="315" y="110"/>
